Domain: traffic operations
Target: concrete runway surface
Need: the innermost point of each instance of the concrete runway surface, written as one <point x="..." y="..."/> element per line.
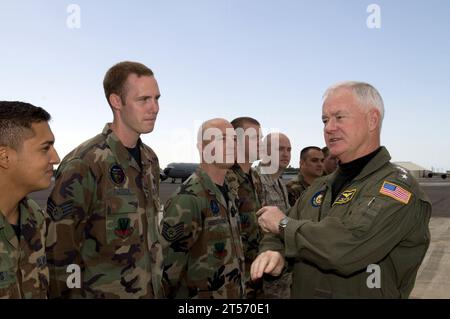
<point x="433" y="278"/>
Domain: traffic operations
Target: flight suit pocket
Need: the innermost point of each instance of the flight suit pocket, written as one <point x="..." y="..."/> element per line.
<point x="123" y="225"/>
<point x="361" y="217"/>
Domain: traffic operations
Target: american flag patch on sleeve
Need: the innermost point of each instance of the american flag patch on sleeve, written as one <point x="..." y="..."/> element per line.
<point x="395" y="191"/>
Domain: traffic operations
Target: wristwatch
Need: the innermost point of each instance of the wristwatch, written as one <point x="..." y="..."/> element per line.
<point x="282" y="225"/>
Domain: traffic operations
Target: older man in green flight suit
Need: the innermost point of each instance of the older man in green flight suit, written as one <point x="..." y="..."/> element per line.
<point x="361" y="232"/>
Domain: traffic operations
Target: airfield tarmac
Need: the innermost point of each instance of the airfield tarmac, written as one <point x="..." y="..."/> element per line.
<point x="433" y="277"/>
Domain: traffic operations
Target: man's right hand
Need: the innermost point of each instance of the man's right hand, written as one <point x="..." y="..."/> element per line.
<point x="269" y="262"/>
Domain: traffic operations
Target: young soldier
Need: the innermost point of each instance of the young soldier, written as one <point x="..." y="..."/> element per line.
<point x="105" y="202"/>
<point x="244" y="180"/>
<point x="27" y="157"/>
<point x="311" y="167"/>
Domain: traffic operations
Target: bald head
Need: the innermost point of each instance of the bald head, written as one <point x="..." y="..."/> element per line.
<point x="278" y="150"/>
<point x="279" y="138"/>
<point x="216" y="142"/>
<point x="208" y="127"/>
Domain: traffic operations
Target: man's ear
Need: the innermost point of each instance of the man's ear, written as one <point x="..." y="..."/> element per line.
<point x="4" y="157"/>
<point x="374" y="119"/>
<point x="115" y="101"/>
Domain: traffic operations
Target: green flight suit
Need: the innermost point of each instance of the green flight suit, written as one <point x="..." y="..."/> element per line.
<point x="378" y="221"/>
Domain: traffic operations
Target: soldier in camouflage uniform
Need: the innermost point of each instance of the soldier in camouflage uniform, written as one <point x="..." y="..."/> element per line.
<point x="360" y="232"/>
<point x="105" y="202"/>
<point x="203" y="255"/>
<point x="244" y="181"/>
<point x="27" y="157"/>
<point x="311" y="167"/>
<point x="295" y="187"/>
<point x="274" y="193"/>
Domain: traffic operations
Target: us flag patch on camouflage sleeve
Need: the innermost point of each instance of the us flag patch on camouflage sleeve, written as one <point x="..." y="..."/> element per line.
<point x="396" y="192"/>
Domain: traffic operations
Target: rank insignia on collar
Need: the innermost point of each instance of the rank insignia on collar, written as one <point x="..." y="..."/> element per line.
<point x="214" y="207"/>
<point x="117" y="174"/>
<point x="317" y="199"/>
<point x="345" y="197"/>
<point x="123" y="228"/>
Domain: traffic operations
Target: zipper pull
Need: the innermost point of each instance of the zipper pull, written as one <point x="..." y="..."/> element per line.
<point x="371" y="201"/>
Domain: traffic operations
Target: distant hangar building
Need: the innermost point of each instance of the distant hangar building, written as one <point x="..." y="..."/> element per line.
<point x="416" y="170"/>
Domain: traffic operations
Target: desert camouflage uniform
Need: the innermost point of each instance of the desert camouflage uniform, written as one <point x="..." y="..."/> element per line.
<point x="23" y="266"/>
<point x="203" y="255"/>
<point x="295" y="188"/>
<point x="104" y="218"/>
<point x="274" y="193"/>
<point x="248" y="190"/>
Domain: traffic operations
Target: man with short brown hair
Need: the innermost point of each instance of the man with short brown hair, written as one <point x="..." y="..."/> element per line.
<point x="105" y="202"/>
<point x="244" y="180"/>
<point x="311" y="167"/>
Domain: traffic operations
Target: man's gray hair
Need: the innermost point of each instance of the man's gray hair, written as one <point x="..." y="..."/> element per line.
<point x="367" y="95"/>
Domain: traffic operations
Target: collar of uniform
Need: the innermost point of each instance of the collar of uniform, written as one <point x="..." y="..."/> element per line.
<point x="147" y="157"/>
<point x="328" y="179"/>
<point x="2" y="220"/>
<point x="27" y="208"/>
<point x="302" y="181"/>
<point x="210" y="185"/>
<point x="375" y="163"/>
<point x="240" y="173"/>
<point x="8" y="232"/>
<point x="120" y="152"/>
<point x="26" y="211"/>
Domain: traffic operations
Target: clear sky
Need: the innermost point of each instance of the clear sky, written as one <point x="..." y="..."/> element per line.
<point x="271" y="60"/>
